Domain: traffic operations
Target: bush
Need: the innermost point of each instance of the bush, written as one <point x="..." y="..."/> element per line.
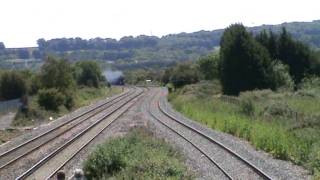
<point x="12" y="85"/>
<point x="184" y="74"/>
<point x="35" y="84"/>
<point x="90" y="74"/>
<point x="282" y="76"/>
<point x="208" y="66"/>
<point x="277" y="109"/>
<point x="51" y="99"/>
<point x="57" y="74"/>
<point x="135" y="156"/>
<point x="247" y="107"/>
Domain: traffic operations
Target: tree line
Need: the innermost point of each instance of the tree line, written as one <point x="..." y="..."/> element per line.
<point x="54" y="86"/>
<point x="246" y="61"/>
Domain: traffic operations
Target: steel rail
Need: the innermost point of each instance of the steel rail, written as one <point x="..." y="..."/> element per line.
<point x="190" y="142"/>
<point x="62" y="124"/>
<point x="82" y="147"/>
<point x="252" y="166"/>
<point x="69" y="142"/>
<point x="7" y="153"/>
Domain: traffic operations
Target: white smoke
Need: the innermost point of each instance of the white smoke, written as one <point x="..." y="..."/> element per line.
<point x="112" y="76"/>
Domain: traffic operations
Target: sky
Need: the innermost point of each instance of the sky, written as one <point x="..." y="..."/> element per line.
<point x="25" y="21"/>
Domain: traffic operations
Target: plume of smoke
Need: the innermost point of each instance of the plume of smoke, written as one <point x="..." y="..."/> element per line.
<point x="112" y="76"/>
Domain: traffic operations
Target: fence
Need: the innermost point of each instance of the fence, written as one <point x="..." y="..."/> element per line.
<point x="11" y="105"/>
<point x="230" y="99"/>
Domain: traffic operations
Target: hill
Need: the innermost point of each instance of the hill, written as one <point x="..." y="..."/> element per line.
<point x="148" y="51"/>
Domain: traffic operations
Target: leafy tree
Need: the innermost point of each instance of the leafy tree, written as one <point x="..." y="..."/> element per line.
<point x="184" y="74"/>
<point x="12" y="85"/>
<point x="269" y="41"/>
<point x="208" y="66"/>
<point x="167" y="75"/>
<point x="245" y="64"/>
<point x="90" y="74"/>
<point x="51" y="99"/>
<point x="296" y="55"/>
<point x="57" y="74"/>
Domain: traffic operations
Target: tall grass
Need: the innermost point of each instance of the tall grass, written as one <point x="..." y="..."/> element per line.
<point x="270" y="136"/>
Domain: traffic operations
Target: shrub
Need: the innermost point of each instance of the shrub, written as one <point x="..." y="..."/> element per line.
<point x="208" y="66"/>
<point x="184" y="74"/>
<point x="12" y="85"/>
<point x="135" y="156"/>
<point x="50" y="99"/>
<point x="314" y="157"/>
<point x="282" y="76"/>
<point x="57" y="74"/>
<point x="277" y="109"/>
<point x="90" y="74"/>
<point x="35" y="84"/>
<point x="247" y="107"/>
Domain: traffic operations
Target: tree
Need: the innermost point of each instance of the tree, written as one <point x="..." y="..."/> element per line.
<point x="12" y="85"/>
<point x="296" y="55"/>
<point x="57" y="74"/>
<point x="208" y="66"/>
<point x="184" y="74"/>
<point x="90" y="74"/>
<point x="245" y="64"/>
<point x="51" y="99"/>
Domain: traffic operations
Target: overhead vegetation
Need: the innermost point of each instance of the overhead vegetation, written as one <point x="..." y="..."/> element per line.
<point x="138" y="155"/>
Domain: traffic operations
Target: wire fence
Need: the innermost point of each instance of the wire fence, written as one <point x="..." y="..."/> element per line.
<point x="11" y="105"/>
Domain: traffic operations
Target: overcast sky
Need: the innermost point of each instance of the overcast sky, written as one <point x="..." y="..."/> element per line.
<point x="25" y="21"/>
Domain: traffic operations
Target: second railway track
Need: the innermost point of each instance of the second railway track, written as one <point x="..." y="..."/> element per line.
<point x="21" y="151"/>
<point x="231" y="164"/>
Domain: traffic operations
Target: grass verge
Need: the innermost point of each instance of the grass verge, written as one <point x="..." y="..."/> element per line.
<point x="272" y="132"/>
<point x="138" y="155"/>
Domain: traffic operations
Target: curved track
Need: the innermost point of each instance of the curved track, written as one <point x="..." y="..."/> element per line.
<point x="187" y="132"/>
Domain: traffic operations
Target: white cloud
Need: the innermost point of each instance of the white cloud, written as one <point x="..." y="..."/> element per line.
<point x="23" y="22"/>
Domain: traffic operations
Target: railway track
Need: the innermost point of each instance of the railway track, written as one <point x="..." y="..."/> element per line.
<point x="99" y="112"/>
<point x="14" y="154"/>
<point x="194" y="136"/>
<point x="48" y="166"/>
